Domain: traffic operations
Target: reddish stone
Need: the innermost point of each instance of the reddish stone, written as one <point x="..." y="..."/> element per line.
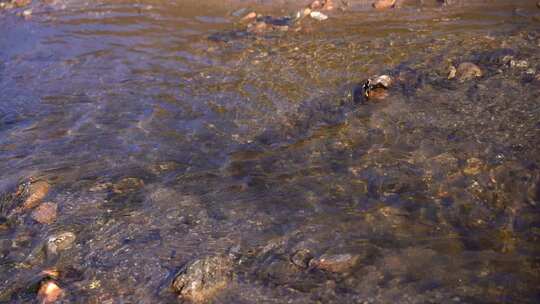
<point x="46" y="213"/>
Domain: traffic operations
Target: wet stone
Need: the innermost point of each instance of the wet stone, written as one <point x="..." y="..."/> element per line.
<point x="301" y="258"/>
<point x="452" y="72"/>
<point x="338" y="263"/>
<point x="467" y="71"/>
<point x="101" y="187"/>
<point x="45" y="213"/>
<point x="59" y="242"/>
<point x="36" y="193"/>
<point x="520" y="64"/>
<point x="4" y="224"/>
<point x="21" y="3"/>
<point x="248" y="17"/>
<point x="128" y="184"/>
<point x="49" y="292"/>
<point x="473" y="167"/>
<point x="200" y="280"/>
<point x="384" y="4"/>
<point x="318" y="16"/>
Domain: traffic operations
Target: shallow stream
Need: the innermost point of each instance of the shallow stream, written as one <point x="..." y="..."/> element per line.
<point x="168" y="133"/>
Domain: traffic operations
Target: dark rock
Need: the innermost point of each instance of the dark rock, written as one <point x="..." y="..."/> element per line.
<point x="4" y="224"/>
<point x="301" y="258"/>
<point x="200" y="280"/>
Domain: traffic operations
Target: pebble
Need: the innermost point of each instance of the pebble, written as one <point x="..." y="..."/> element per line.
<point x="45" y="213"/>
<point x="49" y="292"/>
<point x="328" y="5"/>
<point x="384" y="4"/>
<point x="257" y="27"/>
<point x="521" y="64"/>
<point x="315" y="5"/>
<point x="3" y="223"/>
<point x="248" y="17"/>
<point x="383" y="80"/>
<point x="27" y="13"/>
<point x="318" y="16"/>
<point x="60" y="242"/>
<point x="128" y="184"/>
<point x="200" y="280"/>
<point x="338" y="263"/>
<point x="301" y="258"/>
<point x="473" y="167"/>
<point x="467" y="71"/>
<point x="37" y="191"/>
<point x="21" y="3"/>
<point x="452" y="72"/>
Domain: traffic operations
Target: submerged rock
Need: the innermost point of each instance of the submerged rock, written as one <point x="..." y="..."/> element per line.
<point x="200" y="280"/>
<point x="37" y="191"/>
<point x="473" y="167"/>
<point x="49" y="292"/>
<point x="335" y="262"/>
<point x="301" y="258"/>
<point x="45" y="213"/>
<point x="21" y="3"/>
<point x="520" y="64"/>
<point x="467" y="71"/>
<point x="59" y="242"/>
<point x="128" y="184"/>
<point x="384" y="81"/>
<point x="452" y="71"/>
<point x="318" y="16"/>
<point x="373" y="88"/>
<point x="384" y="4"/>
<point x="248" y="17"/>
<point x="3" y="223"/>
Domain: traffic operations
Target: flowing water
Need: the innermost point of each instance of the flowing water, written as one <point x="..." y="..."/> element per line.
<point x="167" y="133"/>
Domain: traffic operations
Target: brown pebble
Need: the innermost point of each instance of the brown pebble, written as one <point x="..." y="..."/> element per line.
<point x="49" y="292"/>
<point x="468" y="71"/>
<point x="51" y="273"/>
<point x="45" y="213"/>
<point x="473" y="167"/>
<point x="21" y="3"/>
<point x="328" y="5"/>
<point x="250" y="16"/>
<point x="128" y="184"/>
<point x="37" y="191"/>
<point x="384" y="4"/>
<point x="378" y="94"/>
<point x="301" y="258"/>
<point x="258" y="27"/>
<point x="335" y="263"/>
<point x="315" y="5"/>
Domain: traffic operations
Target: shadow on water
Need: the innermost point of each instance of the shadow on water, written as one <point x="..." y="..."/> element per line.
<point x="164" y="132"/>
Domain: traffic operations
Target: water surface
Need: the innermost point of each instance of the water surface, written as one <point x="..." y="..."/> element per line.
<point x="168" y="134"/>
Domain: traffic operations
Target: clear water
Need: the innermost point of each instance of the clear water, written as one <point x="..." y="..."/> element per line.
<point x="250" y="143"/>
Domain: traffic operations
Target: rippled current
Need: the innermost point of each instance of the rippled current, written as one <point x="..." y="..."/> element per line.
<point x="168" y="133"/>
